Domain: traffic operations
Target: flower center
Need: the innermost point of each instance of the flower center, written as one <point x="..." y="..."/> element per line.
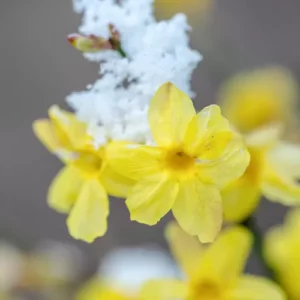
<point x="206" y="290"/>
<point x="88" y="162"/>
<point x="177" y="160"/>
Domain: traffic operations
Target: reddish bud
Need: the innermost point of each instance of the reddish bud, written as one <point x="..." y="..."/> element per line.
<point x="88" y="43"/>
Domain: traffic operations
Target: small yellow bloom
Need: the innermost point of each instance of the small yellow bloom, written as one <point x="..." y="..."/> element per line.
<point x="272" y="172"/>
<point x="196" y="155"/>
<point x="255" y="99"/>
<point x="80" y="188"/>
<point x="282" y="249"/>
<point x="260" y="105"/>
<point x="212" y="272"/>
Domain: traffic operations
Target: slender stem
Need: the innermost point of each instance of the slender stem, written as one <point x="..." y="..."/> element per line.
<point x="117" y="47"/>
<point x="258" y="246"/>
<point x="121" y="51"/>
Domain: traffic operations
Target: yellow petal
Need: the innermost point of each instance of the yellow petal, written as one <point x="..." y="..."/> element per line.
<point x="287" y="157"/>
<point x="65" y="189"/>
<point x="165" y="289"/>
<point x="240" y="199"/>
<point x="170" y="112"/>
<point x="275" y="247"/>
<point x="88" y="218"/>
<point x="133" y="161"/>
<point x="69" y="128"/>
<point x="255" y="288"/>
<point x="229" y="167"/>
<point x="282" y="243"/>
<point x="255" y="99"/>
<point x="152" y="198"/>
<point x="198" y="209"/>
<point x="280" y="180"/>
<point x="224" y="260"/>
<point x="186" y="249"/>
<point x="115" y="184"/>
<point x="54" y="140"/>
<point x="43" y="129"/>
<point x="292" y="221"/>
<point x="208" y="134"/>
<point x="280" y="187"/>
<point x="281" y="249"/>
<point x="265" y="137"/>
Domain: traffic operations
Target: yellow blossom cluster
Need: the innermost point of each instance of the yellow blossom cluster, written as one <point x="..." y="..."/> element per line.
<point x="193" y="158"/>
<point x="261" y="105"/>
<point x="203" y="167"/>
<point x="200" y="166"/>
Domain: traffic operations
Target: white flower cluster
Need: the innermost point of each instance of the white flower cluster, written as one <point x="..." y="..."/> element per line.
<point x="115" y="106"/>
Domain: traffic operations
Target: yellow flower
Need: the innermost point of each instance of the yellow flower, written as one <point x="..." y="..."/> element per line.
<point x="282" y="249"/>
<point x="80" y="188"/>
<point x="260" y="105"/>
<point x="212" y="272"/>
<point x="272" y="172"/>
<point x="96" y="290"/>
<point x="255" y="99"/>
<point x="196" y="154"/>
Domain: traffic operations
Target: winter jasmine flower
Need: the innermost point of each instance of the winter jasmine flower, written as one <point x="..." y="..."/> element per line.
<point x="212" y="272"/>
<point x="80" y="188"/>
<point x="194" y="156"/>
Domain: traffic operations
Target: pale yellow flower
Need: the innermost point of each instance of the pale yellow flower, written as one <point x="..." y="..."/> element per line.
<point x="260" y="105"/>
<point x="213" y="272"/>
<point x="256" y="99"/>
<point x="282" y="250"/>
<point x="80" y="188"/>
<point x="196" y="155"/>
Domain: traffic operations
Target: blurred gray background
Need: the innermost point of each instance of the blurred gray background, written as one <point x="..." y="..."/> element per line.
<point x="39" y="68"/>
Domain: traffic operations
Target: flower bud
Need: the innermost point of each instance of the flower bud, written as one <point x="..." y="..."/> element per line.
<point x="89" y="43"/>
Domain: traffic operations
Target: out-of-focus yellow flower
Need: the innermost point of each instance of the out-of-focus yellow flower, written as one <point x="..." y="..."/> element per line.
<point x="213" y="272"/>
<point x="273" y="171"/>
<point x="282" y="250"/>
<point x="196" y="154"/>
<point x="95" y="290"/>
<point x="256" y="99"/>
<point x="167" y="8"/>
<point x="80" y="188"/>
<point x="259" y="105"/>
